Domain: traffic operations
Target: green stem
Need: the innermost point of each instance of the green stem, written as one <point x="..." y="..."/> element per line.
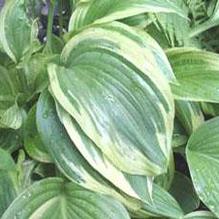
<point x="60" y="17"/>
<point x="50" y="23"/>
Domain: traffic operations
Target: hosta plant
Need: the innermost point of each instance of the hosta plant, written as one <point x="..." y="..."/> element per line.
<point x="109" y="109"/>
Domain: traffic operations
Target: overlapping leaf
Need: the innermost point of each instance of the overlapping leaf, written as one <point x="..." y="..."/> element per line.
<point x="110" y="10"/>
<point x="179" y="135"/>
<point x="17" y="32"/>
<point x="211" y="22"/>
<point x="197" y="73"/>
<point x="76" y="168"/>
<point x="101" y="163"/>
<point x="32" y="141"/>
<point x="200" y="215"/>
<point x="57" y="199"/>
<point x="189" y="114"/>
<point x="8" y="190"/>
<point x="114" y="84"/>
<point x="183" y="191"/>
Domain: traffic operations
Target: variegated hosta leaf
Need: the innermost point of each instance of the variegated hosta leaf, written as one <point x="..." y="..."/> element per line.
<point x="17" y="33"/>
<point x="73" y="165"/>
<point x="200" y="215"/>
<point x="32" y="141"/>
<point x="183" y="191"/>
<point x="189" y="114"/>
<point x="110" y="10"/>
<point x="95" y="157"/>
<point x="203" y="156"/>
<point x="197" y="73"/>
<point x="66" y="156"/>
<point x="55" y="198"/>
<point x="114" y="84"/>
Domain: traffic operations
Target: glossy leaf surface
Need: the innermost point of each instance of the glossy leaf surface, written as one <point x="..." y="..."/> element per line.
<point x="120" y="99"/>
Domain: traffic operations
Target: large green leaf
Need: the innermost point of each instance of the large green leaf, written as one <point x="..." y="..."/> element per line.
<point x="110" y="10"/>
<point x="114" y="84"/>
<point x="17" y="32"/>
<point x="53" y="197"/>
<point x="183" y="191"/>
<point x="203" y="155"/>
<point x="197" y="73"/>
<point x="189" y="114"/>
<point x="74" y="166"/>
<point x="101" y="163"/>
<point x="66" y="156"/>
